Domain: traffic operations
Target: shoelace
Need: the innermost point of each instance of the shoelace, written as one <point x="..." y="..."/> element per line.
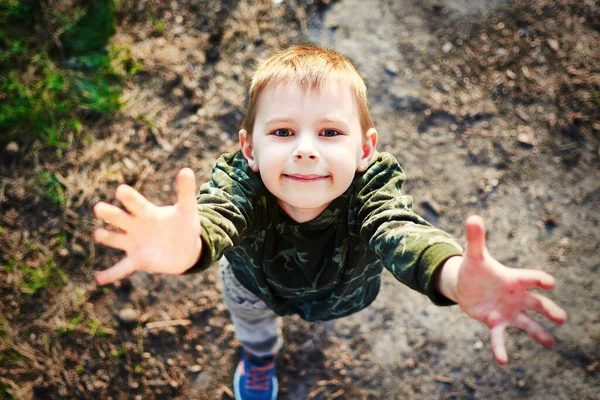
<point x="258" y="377"/>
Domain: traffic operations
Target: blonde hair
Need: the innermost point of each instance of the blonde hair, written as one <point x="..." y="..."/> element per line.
<point x="310" y="67"/>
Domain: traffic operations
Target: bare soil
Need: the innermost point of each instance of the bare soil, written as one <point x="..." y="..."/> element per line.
<point x="492" y="107"/>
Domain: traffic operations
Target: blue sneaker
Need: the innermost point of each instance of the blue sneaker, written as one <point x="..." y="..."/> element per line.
<point x="255" y="378"/>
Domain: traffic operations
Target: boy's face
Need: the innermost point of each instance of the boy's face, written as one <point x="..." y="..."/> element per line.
<point x="307" y="146"/>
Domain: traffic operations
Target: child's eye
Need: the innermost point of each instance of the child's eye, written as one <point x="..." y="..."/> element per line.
<point x="282" y="132"/>
<point x="330" y="133"/>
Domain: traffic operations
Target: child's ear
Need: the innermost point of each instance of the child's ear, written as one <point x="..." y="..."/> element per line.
<point x="368" y="150"/>
<point x="247" y="152"/>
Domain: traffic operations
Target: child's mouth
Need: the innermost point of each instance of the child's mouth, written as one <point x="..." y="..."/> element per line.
<point x="305" y="177"/>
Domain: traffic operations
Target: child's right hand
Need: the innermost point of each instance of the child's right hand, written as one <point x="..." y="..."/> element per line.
<point x="156" y="239"/>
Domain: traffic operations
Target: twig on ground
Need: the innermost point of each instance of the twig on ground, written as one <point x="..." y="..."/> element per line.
<point x="166" y="324"/>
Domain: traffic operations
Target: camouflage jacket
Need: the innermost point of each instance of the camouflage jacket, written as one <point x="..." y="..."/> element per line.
<point x="331" y="266"/>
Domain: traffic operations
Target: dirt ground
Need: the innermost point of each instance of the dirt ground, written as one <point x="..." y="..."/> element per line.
<point x="492" y="107"/>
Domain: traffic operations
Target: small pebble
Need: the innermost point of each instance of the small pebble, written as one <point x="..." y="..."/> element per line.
<point x="391" y="68"/>
<point x="129" y="316"/>
<point x="12" y="147"/>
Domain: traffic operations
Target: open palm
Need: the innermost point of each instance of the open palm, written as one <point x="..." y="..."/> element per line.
<point x="155" y="239"/>
<point x="498" y="295"/>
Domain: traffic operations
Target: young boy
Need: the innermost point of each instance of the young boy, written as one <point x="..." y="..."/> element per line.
<point x="306" y="215"/>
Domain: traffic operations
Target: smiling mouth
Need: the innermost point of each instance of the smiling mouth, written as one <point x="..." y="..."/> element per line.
<point x="306" y="178"/>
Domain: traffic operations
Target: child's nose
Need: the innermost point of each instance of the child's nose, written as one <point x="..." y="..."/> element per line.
<point x="305" y="154"/>
<point x="306" y="150"/>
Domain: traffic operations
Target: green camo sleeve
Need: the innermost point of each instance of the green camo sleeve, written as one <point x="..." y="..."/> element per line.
<point x="408" y="246"/>
<point x="227" y="207"/>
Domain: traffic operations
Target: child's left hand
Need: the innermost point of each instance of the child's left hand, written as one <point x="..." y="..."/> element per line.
<point x="497" y="295"/>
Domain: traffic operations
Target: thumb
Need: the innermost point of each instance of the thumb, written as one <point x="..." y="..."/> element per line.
<point x="186" y="189"/>
<point x="475" y="237"/>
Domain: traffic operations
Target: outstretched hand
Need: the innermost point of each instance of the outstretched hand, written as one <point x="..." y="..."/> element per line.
<point x="155" y="239"/>
<point x="498" y="296"/>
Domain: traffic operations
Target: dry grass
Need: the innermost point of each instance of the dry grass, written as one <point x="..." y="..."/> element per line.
<point x="59" y="334"/>
<point x="65" y="339"/>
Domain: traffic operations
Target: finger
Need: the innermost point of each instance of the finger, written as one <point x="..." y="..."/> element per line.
<point x="186" y="189"/>
<point x="546" y="307"/>
<point x="475" y="237"/>
<point x="533" y="278"/>
<point x="534" y="329"/>
<point x="113" y="215"/>
<point x="133" y="201"/>
<point x="117" y="272"/>
<point x="108" y="238"/>
<point x="499" y="344"/>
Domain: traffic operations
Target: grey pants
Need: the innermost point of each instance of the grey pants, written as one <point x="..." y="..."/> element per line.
<point x="256" y="326"/>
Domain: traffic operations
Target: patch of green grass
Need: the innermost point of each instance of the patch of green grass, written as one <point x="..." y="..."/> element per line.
<point x="4" y="393"/>
<point x="9" y="355"/>
<point x="3" y="328"/>
<point x="120" y="352"/>
<point x="123" y="62"/>
<point x="61" y="238"/>
<point x="76" y="320"/>
<point x="79" y="299"/>
<point x="159" y="25"/>
<point x="147" y="120"/>
<point x="596" y="97"/>
<point x="97" y="330"/>
<point x="36" y="279"/>
<point x="9" y="266"/>
<point x="47" y="86"/>
<point x="47" y="275"/>
<point x="70" y="327"/>
<point x="51" y="188"/>
<point x="40" y="107"/>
